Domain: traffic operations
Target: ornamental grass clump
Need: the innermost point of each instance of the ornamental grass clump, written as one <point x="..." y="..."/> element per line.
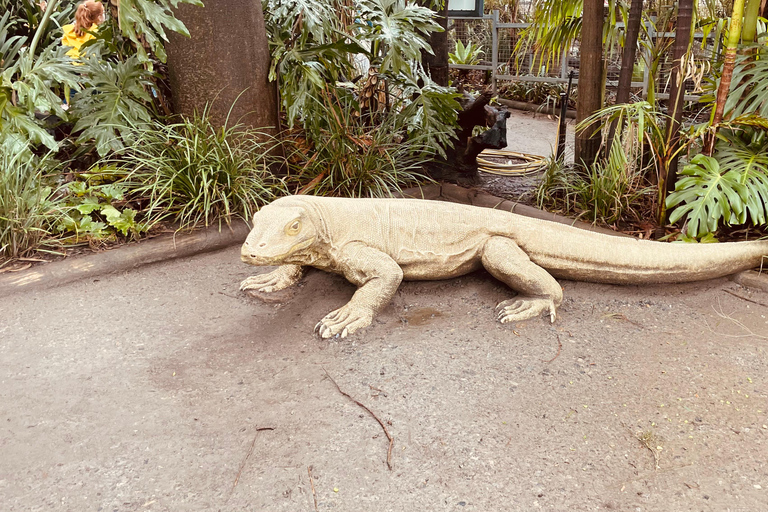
<point x="194" y="173"/>
<point x="28" y="205"/>
<point x="350" y="158"/>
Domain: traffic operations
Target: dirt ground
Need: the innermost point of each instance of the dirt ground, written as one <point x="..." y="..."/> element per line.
<point x="166" y="389"/>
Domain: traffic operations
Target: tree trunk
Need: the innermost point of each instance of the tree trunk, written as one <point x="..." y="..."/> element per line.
<point x="436" y="63"/>
<point x="590" y="86"/>
<point x="225" y="62"/>
<point x="632" y="24"/>
<point x="676" y="95"/>
<point x="734" y="34"/>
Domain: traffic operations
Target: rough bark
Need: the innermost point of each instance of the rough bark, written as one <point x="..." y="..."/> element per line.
<point x="632" y="24"/>
<point x="436" y="63"/>
<point x="226" y="56"/>
<point x="732" y="44"/>
<point x="677" y="88"/>
<point x="590" y="79"/>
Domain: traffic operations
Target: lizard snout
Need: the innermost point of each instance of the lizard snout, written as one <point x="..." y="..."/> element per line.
<point x="247" y="252"/>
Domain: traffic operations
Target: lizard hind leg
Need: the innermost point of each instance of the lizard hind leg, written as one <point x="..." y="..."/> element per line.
<point x="539" y="292"/>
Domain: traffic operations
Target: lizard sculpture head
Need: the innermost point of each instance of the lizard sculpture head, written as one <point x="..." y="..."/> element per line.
<point x="279" y="233"/>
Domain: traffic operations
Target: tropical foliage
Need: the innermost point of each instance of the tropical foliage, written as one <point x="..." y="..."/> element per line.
<point x="111" y="95"/>
<point x="727" y="185"/>
<point x="364" y="58"/>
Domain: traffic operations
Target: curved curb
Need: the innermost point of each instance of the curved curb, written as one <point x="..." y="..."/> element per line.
<point x="124" y="258"/>
<point x="752" y="279"/>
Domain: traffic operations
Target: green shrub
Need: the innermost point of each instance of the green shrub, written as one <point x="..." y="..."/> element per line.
<point x="99" y="212"/>
<point x="351" y="159"/>
<point x="28" y="206"/>
<point x="731" y="188"/>
<point x="194" y="173"/>
<point x="608" y="191"/>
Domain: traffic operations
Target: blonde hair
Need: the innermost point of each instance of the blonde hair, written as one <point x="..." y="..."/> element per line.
<point x="88" y="13"/>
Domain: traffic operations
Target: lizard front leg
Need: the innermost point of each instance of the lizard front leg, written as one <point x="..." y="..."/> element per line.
<point x="539" y="292"/>
<point x="377" y="276"/>
<point x="283" y="277"/>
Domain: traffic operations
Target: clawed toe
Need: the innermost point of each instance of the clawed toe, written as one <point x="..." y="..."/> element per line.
<point x="342" y="322"/>
<point x="517" y="310"/>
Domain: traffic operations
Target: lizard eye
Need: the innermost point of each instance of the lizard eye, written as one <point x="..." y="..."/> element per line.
<point x="293" y="228"/>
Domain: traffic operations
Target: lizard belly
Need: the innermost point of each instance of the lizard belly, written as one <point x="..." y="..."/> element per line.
<point x="426" y="266"/>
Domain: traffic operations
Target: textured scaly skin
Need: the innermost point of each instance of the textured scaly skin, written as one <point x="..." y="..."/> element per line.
<point x="376" y="243"/>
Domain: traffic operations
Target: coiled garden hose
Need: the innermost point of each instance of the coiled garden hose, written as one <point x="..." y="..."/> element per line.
<point x="531" y="164"/>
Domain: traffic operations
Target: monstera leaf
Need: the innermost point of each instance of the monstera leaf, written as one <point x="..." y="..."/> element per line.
<point x="113" y="104"/>
<point x="145" y="21"/>
<point x="708" y="195"/>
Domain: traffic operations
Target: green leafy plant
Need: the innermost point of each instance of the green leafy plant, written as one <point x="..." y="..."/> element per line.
<point x="99" y="212"/>
<point x="193" y="173"/>
<point x="112" y="84"/>
<point x="351" y="159"/>
<point x="555" y="189"/>
<point x="27" y="17"/>
<point x="540" y="93"/>
<point x="730" y="188"/>
<point x="617" y="187"/>
<point x="315" y="46"/>
<point x="610" y="190"/>
<point x="114" y="104"/>
<point x="144" y="22"/>
<point x="28" y="204"/>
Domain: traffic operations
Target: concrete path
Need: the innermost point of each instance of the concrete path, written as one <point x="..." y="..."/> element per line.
<point x="165" y="389"/>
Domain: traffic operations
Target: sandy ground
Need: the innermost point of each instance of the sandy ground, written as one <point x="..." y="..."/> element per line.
<point x="166" y="389"/>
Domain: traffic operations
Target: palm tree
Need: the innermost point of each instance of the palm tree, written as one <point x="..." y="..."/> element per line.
<point x="732" y="43"/>
<point x="590" y="80"/>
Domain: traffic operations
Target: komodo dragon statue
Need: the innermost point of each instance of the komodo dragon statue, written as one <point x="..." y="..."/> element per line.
<point x="376" y="243"/>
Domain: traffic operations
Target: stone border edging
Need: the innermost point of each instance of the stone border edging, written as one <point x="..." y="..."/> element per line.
<point x="533" y="107"/>
<point x="123" y="258"/>
<point x="457" y="194"/>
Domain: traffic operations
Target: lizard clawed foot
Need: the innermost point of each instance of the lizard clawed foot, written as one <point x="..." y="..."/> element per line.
<point x="516" y="310"/>
<point x="343" y="321"/>
<point x="269" y="282"/>
<point x="261" y="283"/>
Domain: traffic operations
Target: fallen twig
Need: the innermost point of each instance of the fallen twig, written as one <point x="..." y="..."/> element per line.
<point x="386" y="432"/>
<point x="312" y="485"/>
<point x="722" y="314"/>
<point x="747" y="299"/>
<point x="621" y="316"/>
<point x="559" y="348"/>
<point x="250" y="450"/>
<point x="647" y="439"/>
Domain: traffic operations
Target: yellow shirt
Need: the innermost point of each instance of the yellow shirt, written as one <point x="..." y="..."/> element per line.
<point x="75" y="41"/>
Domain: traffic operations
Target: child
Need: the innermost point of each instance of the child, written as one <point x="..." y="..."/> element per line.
<point x="88" y="17"/>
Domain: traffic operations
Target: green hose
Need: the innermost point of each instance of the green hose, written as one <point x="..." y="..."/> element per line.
<point x="531" y="164"/>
